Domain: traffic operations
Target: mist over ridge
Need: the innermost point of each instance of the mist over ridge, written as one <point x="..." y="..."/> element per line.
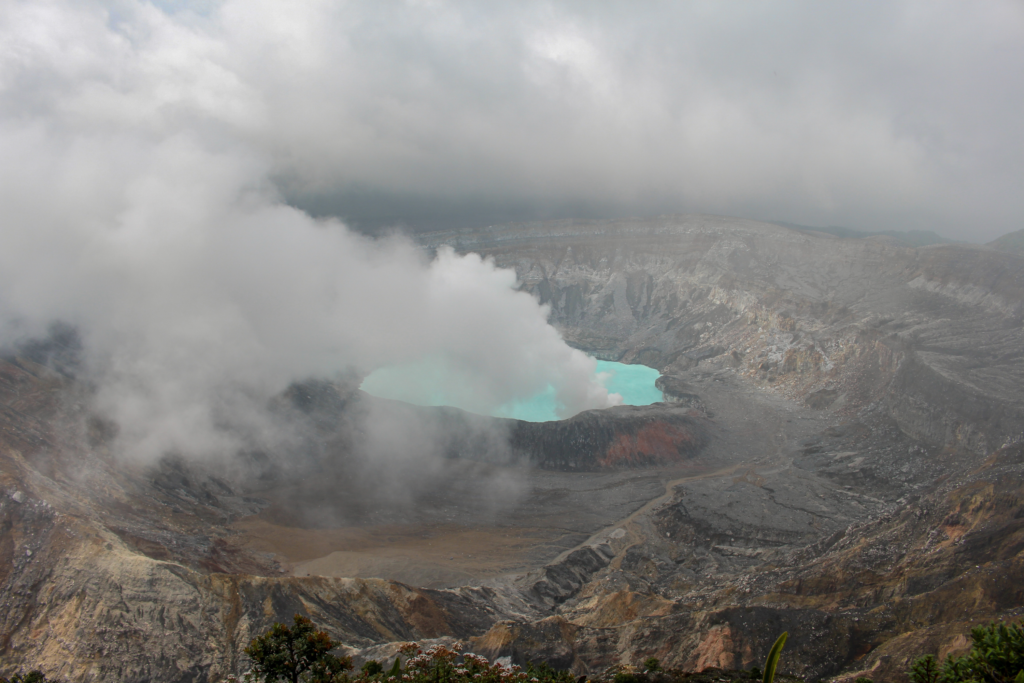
<point x="150" y="226"/>
<point x="199" y="299"/>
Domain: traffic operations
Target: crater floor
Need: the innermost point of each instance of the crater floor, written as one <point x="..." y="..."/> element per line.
<point x="451" y="538"/>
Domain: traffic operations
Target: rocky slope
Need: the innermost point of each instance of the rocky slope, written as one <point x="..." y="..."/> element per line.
<point x="914" y="354"/>
<point x="839" y="456"/>
<point x="1013" y="241"/>
<point x="867" y="598"/>
<point x="932" y="335"/>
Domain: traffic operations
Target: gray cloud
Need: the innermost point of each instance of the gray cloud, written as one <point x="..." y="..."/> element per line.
<point x="876" y="115"/>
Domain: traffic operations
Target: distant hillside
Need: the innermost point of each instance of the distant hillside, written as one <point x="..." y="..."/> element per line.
<point x="914" y="238"/>
<point x="1013" y="241"/>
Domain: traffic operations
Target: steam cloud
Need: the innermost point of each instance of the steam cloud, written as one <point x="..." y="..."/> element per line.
<point x="135" y="208"/>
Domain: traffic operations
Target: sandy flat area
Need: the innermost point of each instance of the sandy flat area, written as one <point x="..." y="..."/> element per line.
<point x="435" y="555"/>
<point x="447" y="540"/>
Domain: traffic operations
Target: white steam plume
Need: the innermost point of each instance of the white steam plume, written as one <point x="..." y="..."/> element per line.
<point x="133" y="208"/>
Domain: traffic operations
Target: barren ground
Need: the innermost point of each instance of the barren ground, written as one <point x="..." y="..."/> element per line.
<point x="450" y="540"/>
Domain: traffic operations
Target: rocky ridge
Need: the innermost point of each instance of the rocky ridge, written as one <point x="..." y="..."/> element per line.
<point x="915" y="356"/>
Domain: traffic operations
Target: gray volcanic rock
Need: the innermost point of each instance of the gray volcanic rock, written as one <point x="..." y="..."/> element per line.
<point x="561" y="580"/>
<point x="868" y="598"/>
<point x="676" y="390"/>
<point x="624" y="436"/>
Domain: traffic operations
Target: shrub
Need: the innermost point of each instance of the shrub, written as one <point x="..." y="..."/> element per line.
<point x="996" y="656"/>
<point x="545" y="673"/>
<point x="924" y="670"/>
<point x="300" y="653"/>
<point x="441" y="664"/>
<point x="34" y="676"/>
<point x="372" y="668"/>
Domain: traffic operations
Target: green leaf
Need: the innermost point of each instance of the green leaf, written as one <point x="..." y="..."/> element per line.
<point x="773" y="658"/>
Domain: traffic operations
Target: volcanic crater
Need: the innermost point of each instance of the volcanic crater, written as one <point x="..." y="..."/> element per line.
<point x="838" y="455"/>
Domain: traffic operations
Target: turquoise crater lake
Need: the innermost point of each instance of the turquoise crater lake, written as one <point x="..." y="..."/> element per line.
<point x="635" y="383"/>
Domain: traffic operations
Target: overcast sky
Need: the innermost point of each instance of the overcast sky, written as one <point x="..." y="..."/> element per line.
<point x="871" y="115"/>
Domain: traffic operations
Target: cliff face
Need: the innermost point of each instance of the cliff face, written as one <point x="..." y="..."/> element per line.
<point x="839" y="456"/>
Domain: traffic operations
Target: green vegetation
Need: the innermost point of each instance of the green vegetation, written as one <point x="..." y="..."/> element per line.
<point x="924" y="670"/>
<point x="772" y="662"/>
<point x="301" y="653"/>
<point x="34" y="676"/>
<point x="546" y="673"/>
<point x="396" y="669"/>
<point x="996" y="656"/>
<point x="372" y="668"/>
<point x="627" y="677"/>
